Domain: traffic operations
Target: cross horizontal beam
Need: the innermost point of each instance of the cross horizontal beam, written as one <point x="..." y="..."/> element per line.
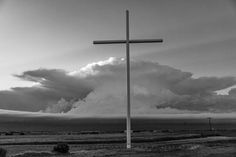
<point x="130" y="41"/>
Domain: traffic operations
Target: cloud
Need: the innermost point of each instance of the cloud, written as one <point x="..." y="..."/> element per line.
<point x="212" y="103"/>
<point x="58" y="81"/>
<point x="62" y="106"/>
<point x="100" y="89"/>
<point x="202" y="85"/>
<point x="232" y="92"/>
<point x="53" y="85"/>
<point x="155" y="89"/>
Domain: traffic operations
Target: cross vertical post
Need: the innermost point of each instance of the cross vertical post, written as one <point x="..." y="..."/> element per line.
<point x="128" y="123"/>
<point x="128" y="41"/>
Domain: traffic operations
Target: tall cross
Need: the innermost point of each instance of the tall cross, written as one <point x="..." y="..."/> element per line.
<point x="128" y="42"/>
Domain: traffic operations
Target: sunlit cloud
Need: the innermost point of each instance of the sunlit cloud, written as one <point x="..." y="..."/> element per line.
<point x="99" y="89"/>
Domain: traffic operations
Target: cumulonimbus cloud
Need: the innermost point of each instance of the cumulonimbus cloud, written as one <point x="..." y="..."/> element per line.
<point x="232" y="92"/>
<point x="99" y="88"/>
<point x="53" y="85"/>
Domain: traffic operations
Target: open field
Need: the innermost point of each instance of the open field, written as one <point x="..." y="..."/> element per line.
<point x="105" y="137"/>
<point x="145" y="144"/>
<point x="55" y="125"/>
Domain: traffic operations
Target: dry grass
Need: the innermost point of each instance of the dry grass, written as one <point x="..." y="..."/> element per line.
<point x="180" y="147"/>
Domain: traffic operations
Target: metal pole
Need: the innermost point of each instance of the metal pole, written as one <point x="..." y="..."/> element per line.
<point x="128" y="122"/>
<point x="210" y="126"/>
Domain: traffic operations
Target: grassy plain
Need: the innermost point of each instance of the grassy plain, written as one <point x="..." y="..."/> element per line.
<point x="146" y="144"/>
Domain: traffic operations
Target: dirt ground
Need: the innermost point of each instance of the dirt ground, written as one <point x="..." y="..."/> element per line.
<point x="148" y="150"/>
<point x="215" y="146"/>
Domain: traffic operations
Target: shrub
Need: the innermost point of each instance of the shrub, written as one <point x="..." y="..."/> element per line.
<point x="61" y="148"/>
<point x="3" y="152"/>
<point x="22" y="133"/>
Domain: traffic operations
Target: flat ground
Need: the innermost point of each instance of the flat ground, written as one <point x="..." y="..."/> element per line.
<point x="147" y="144"/>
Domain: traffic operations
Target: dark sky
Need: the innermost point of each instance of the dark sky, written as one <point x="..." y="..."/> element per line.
<point x="199" y="35"/>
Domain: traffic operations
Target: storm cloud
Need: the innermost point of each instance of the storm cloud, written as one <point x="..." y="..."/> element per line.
<point x="52" y="86"/>
<point x="155" y="89"/>
<point x="99" y="88"/>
